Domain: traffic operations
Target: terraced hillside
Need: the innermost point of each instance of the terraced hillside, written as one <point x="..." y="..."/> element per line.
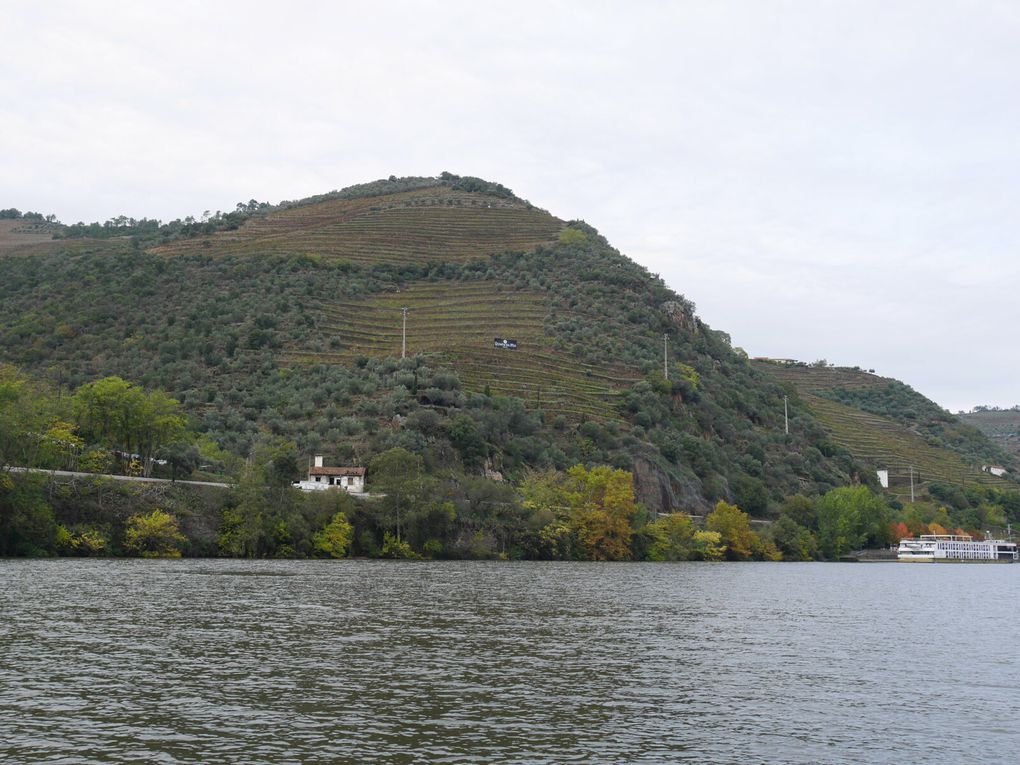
<point x="1001" y="426"/>
<point x="436" y="224"/>
<point x="897" y="445"/>
<point x="23" y="236"/>
<point x="457" y="323"/>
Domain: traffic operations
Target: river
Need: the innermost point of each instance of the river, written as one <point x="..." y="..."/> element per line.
<point x="225" y="661"/>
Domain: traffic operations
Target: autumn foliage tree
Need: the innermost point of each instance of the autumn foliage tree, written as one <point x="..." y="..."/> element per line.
<point x="153" y="535"/>
<point x="334" y="539"/>
<point x="675" y="538"/>
<point x="899" y="531"/>
<point x="594" y="508"/>
<point x="734" y="528"/>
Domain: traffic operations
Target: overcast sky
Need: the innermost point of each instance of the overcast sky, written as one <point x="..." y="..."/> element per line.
<point x="834" y="180"/>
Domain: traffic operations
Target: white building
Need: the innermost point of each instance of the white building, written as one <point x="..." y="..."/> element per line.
<point x="320" y="478"/>
<point x="997" y="470"/>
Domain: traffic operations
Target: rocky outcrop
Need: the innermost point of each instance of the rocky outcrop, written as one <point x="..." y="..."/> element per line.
<point x="661" y="493"/>
<point x="682" y="315"/>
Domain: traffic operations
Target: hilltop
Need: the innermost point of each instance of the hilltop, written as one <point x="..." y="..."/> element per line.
<point x="889" y="426"/>
<point x="288" y="319"/>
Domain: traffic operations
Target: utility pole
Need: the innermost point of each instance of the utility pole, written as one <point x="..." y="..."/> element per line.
<point x="665" y="356"/>
<point x="786" y="413"/>
<point x="403" y="336"/>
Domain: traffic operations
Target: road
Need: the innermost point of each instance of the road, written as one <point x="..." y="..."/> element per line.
<point x="132" y="478"/>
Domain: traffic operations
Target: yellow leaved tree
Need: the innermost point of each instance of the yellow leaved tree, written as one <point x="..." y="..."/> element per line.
<point x="595" y="506"/>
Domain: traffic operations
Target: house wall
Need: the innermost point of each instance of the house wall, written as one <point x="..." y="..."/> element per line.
<point x="354" y="484"/>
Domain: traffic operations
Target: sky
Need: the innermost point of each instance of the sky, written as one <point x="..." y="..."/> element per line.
<point x="822" y="179"/>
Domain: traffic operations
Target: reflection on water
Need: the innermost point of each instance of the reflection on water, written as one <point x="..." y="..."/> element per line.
<point x="304" y="661"/>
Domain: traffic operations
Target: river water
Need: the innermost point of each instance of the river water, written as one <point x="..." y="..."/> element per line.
<point x="223" y="661"/>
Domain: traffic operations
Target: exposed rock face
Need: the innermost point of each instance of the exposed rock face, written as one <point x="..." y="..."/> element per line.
<point x="661" y="494"/>
<point x="491" y="473"/>
<point x="682" y="315"/>
<point x="652" y="487"/>
<point x="690" y="499"/>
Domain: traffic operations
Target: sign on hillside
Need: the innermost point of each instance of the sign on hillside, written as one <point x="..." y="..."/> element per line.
<point x="505" y="343"/>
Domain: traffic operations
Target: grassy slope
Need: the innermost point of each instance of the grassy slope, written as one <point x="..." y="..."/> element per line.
<point x="882" y="441"/>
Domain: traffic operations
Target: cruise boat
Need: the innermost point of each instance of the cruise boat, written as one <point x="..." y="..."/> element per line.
<point x="956" y="548"/>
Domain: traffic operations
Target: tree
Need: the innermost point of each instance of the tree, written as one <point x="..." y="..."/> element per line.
<point x="573" y="237"/>
<point x="793" y="540"/>
<point x="241" y="528"/>
<point x="400" y="475"/>
<point x="596" y="506"/>
<point x="467" y="440"/>
<point x="734" y="529"/>
<point x="673" y="538"/>
<point x="751" y="495"/>
<point x="123" y="416"/>
<point x="851" y="518"/>
<point x="27" y="526"/>
<point x="155" y="535"/>
<point x="899" y="531"/>
<point x="266" y="516"/>
<point x="334" y="540"/>
<point x="707" y="545"/>
<point x="183" y="457"/>
<point x="32" y="434"/>
<point x="83" y="541"/>
<point x="32" y="431"/>
<point x="800" y="510"/>
<point x="158" y="421"/>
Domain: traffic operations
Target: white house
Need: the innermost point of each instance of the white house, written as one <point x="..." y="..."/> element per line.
<point x="320" y="478"/>
<point x="997" y="470"/>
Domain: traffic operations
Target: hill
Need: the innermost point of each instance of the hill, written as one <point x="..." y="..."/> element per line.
<point x="1002" y="426"/>
<point x="888" y="425"/>
<point x="286" y="320"/>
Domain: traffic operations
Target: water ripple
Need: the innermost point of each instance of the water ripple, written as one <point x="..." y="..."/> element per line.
<point x="354" y="661"/>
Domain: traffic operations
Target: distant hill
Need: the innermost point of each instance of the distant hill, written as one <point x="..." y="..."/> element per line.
<point x="888" y="425"/>
<point x="1001" y="426"/>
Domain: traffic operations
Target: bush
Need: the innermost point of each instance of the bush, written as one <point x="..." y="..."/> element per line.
<point x="155" y="535"/>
